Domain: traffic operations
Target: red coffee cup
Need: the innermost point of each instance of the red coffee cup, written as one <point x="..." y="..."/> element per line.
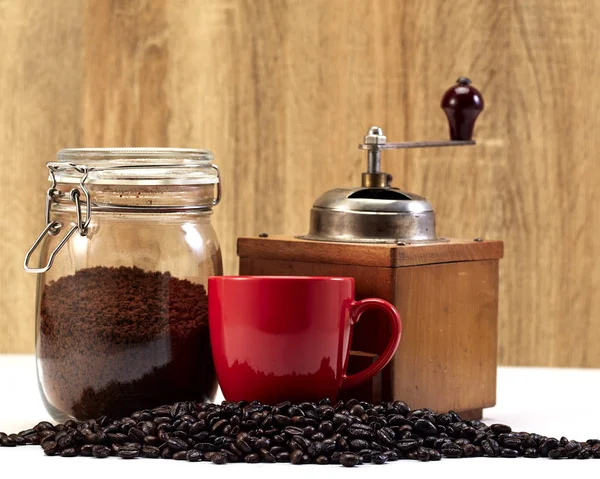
<point x="277" y="338"/>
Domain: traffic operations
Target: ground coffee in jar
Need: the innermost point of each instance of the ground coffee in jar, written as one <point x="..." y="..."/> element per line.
<point x="116" y="339"/>
<point x="121" y="310"/>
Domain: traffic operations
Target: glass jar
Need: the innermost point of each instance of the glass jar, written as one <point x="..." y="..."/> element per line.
<point x="122" y="311"/>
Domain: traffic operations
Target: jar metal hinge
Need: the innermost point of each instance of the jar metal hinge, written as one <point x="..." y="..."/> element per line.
<point x="54" y="227"/>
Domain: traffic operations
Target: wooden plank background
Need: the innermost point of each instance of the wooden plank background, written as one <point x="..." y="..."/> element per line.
<point x="282" y="92"/>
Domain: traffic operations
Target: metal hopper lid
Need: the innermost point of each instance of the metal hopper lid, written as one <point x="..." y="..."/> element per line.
<point x="376" y="212"/>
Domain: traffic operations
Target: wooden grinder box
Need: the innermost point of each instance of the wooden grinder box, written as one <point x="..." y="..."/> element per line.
<point x="447" y="296"/>
<point x="445" y="290"/>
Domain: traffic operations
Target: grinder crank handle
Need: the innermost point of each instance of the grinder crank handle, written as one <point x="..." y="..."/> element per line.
<point x="462" y="103"/>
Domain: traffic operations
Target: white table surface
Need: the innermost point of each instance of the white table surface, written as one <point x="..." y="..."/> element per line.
<point x="552" y="402"/>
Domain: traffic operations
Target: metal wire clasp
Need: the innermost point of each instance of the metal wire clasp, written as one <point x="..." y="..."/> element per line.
<point x="53" y="228"/>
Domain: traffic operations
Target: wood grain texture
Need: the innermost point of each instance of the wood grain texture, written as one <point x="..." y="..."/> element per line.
<point x="40" y="106"/>
<point x="283" y="90"/>
<point x="386" y="255"/>
<point x="447" y="359"/>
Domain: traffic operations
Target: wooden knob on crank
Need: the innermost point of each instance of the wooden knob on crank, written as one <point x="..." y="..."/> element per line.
<point x="462" y="103"/>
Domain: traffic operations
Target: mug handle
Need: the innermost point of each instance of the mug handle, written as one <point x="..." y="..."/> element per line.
<point x="358" y="308"/>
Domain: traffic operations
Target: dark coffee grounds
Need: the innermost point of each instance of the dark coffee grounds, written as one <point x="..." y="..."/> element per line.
<point x="115" y="340"/>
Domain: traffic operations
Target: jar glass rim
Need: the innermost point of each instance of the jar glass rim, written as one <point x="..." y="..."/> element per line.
<point x="135" y="166"/>
<point x="133" y="154"/>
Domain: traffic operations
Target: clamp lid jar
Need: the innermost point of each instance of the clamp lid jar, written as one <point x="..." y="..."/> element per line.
<point x="124" y="260"/>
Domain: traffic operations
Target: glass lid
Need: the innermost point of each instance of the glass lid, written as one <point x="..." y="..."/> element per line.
<point x="135" y="166"/>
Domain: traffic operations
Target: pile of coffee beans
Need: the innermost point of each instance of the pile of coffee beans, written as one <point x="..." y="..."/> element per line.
<point x="115" y="340"/>
<point x="347" y="433"/>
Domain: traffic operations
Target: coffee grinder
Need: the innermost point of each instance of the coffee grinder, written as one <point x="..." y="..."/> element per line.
<point x="446" y="290"/>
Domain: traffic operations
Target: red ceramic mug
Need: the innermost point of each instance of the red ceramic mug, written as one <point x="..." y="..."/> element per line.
<point x="277" y="338"/>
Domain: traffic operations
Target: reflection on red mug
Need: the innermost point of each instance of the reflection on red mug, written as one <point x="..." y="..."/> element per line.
<point x="277" y="338"/>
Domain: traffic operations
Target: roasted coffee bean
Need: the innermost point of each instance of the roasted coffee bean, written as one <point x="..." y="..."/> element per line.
<point x="342" y="444"/>
<point x="298" y="421"/>
<point x="468" y="450"/>
<point x="267" y="456"/>
<point x="379" y="458"/>
<point x="150" y="452"/>
<point x="46" y="433"/>
<point x="349" y="460"/>
<point x="365" y="455"/>
<point x="87" y="450"/>
<point x="263" y="443"/>
<point x="358" y="444"/>
<point x="277" y="449"/>
<point x="360" y="431"/>
<point x="69" y="452"/>
<point x="50" y="447"/>
<point x="67" y="441"/>
<point x="375" y="447"/>
<point x="434" y="455"/>
<point x="206" y="447"/>
<point x="128" y="452"/>
<point x="100" y="451"/>
<point x="328" y="446"/>
<point x="406" y="445"/>
<point x="193" y="456"/>
<point x="506" y="452"/>
<point x="283" y="457"/>
<point x="293" y="431"/>
<point x="180" y="455"/>
<point x="321" y="460"/>
<point x="531" y="452"/>
<point x="500" y="428"/>
<point x="27" y="432"/>
<point x="572" y="447"/>
<point x="547" y="446"/>
<point x="294" y="410"/>
<point x="341" y="419"/>
<point x="512" y="442"/>
<point x="302" y="442"/>
<point x="136" y="435"/>
<point x="490" y="448"/>
<point x="315" y="449"/>
<point x="10" y="442"/>
<point x="252" y="458"/>
<point x="282" y="420"/>
<point x="132" y="445"/>
<point x="425" y="427"/>
<point x="326" y="427"/>
<point x="243" y="446"/>
<point x="218" y="426"/>
<point x="41" y="426"/>
<point x="584" y="454"/>
<point x="385" y="436"/>
<point x="557" y="453"/>
<point x="296" y="457"/>
<point x="218" y="458"/>
<point x="152" y="441"/>
<point x="452" y="450"/>
<point x="391" y="455"/>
